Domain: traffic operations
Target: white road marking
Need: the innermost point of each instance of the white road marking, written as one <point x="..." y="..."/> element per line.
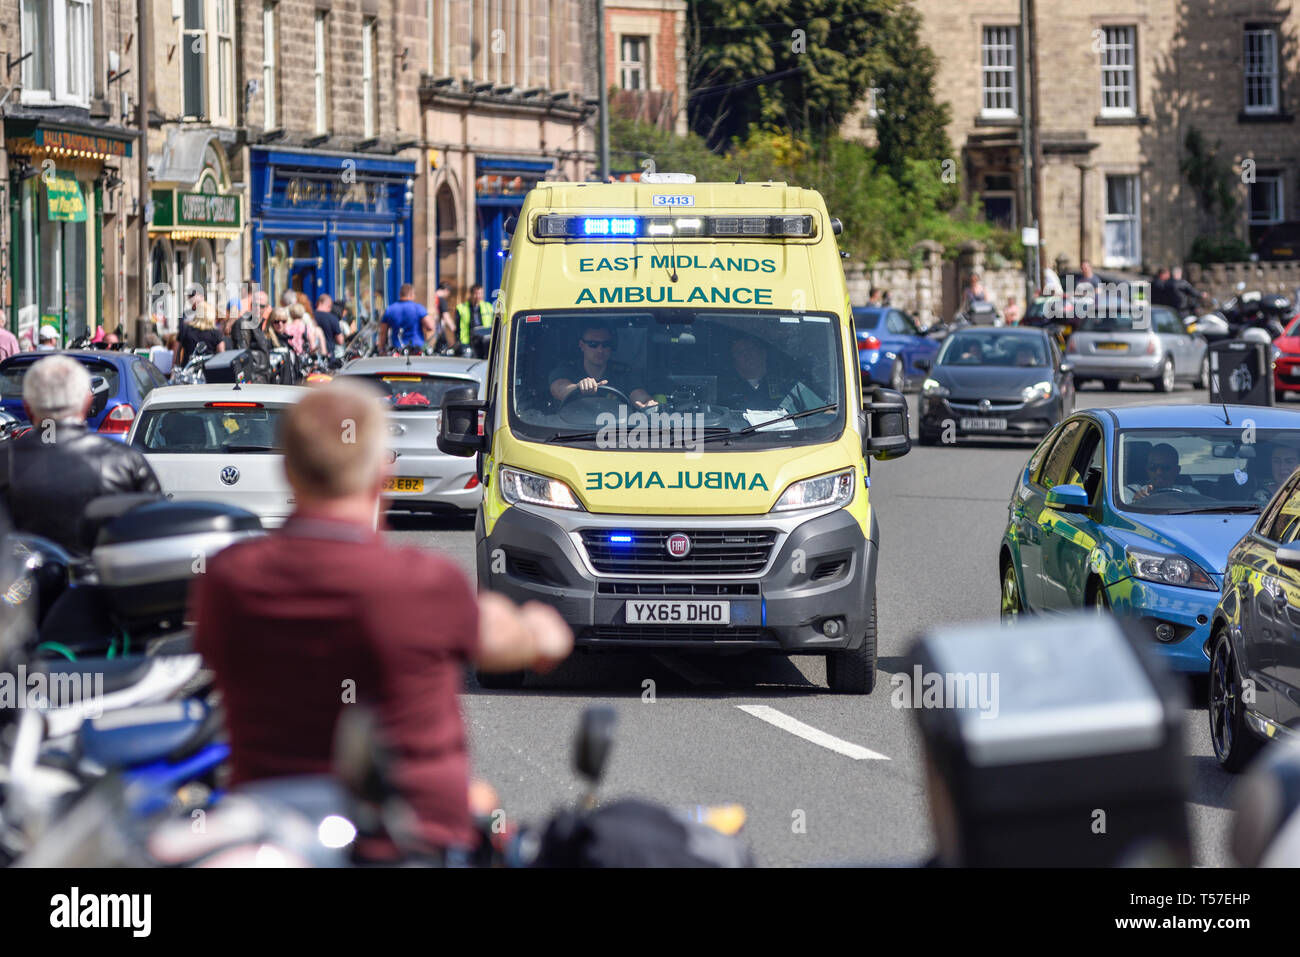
<point x="786" y="723"/>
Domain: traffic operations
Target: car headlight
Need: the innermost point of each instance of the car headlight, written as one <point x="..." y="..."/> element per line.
<point x="1039" y="390"/>
<point x="933" y="387"/>
<point x="1168" y="569"/>
<point x="517" y="486"/>
<point x="824" y="490"/>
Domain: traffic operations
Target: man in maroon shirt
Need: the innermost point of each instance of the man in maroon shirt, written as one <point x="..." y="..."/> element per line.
<point x="323" y="613"/>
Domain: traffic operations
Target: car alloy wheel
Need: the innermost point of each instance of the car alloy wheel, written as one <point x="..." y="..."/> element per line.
<point x="1234" y="745"/>
<point x="1204" y="381"/>
<point x="896" y="378"/>
<point x="1166" y="381"/>
<point x="1012" y="607"/>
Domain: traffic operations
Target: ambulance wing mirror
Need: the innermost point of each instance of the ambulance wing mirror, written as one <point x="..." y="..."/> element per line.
<point x="461" y="430"/>
<point x="887" y="435"/>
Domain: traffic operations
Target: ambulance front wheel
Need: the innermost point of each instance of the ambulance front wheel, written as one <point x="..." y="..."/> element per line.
<point x="854" y="671"/>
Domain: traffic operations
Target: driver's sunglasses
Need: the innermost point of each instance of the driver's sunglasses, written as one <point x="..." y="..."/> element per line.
<point x="1162" y="467"/>
<point x="598" y="343"/>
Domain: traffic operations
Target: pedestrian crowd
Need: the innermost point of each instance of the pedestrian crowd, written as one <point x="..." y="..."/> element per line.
<point x="322" y="328"/>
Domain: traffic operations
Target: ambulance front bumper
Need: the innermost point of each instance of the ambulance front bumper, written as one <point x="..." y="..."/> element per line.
<point x="794" y="583"/>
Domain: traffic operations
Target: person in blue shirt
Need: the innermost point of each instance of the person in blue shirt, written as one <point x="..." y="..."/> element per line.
<point x="405" y="320"/>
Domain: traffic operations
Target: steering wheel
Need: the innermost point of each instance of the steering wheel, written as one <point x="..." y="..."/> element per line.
<point x="578" y="393"/>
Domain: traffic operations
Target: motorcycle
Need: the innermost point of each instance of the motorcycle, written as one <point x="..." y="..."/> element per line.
<point x="1253" y="309"/>
<point x="192" y="372"/>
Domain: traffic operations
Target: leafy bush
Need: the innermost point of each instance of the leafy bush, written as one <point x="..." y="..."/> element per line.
<point x="1219" y="249"/>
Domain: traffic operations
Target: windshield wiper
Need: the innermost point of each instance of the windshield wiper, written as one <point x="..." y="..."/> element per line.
<point x="784" y="418"/>
<point x="249" y="448"/>
<point x="1234" y="509"/>
<point x="588" y="436"/>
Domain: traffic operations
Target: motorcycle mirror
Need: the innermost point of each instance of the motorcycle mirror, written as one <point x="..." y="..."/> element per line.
<point x="595" y="738"/>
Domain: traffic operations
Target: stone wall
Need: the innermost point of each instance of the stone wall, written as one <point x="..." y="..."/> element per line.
<point x="930" y="289"/>
<point x="1220" y="279"/>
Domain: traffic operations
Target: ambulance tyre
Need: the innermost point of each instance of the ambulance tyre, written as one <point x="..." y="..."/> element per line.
<point x="500" y="680"/>
<point x="854" y="671"/>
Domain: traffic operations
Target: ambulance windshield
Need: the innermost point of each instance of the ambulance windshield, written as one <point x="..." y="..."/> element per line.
<point x="666" y="379"/>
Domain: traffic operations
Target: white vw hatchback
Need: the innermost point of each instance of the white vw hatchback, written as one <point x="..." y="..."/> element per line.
<point x="218" y="443"/>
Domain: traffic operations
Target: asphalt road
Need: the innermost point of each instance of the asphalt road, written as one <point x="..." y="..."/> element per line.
<point x="685" y="738"/>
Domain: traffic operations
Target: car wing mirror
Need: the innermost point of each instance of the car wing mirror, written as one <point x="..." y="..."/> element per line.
<point x="99" y="392"/>
<point x="1068" y="498"/>
<point x="887" y="435"/>
<point x="460" y="431"/>
<point x="1289" y="555"/>
<point x="922" y="364"/>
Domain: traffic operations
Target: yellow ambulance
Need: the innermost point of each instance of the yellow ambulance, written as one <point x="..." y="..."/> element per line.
<point x="674" y="441"/>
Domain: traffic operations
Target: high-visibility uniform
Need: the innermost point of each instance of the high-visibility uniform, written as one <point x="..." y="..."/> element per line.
<point x="463" y="315"/>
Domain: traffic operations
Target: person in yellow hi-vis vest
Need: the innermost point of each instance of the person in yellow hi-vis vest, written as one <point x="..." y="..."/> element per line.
<point x="472" y="315"/>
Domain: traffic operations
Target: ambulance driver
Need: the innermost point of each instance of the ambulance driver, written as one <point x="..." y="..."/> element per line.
<point x="594" y="367"/>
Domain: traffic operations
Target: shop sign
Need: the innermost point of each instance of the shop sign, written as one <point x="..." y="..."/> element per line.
<point x="196" y="210"/>
<point x="307" y="191"/>
<point x="66" y="203"/>
<point x="90" y="143"/>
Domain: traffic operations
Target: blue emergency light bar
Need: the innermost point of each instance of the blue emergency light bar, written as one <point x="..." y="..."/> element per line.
<point x="560" y="226"/>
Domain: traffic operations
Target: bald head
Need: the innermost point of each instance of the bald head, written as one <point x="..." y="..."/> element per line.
<point x="334" y="441"/>
<point x="56" y="389"/>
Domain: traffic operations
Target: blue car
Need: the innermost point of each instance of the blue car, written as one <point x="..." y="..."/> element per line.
<point x="128" y="377"/>
<point x="889" y="343"/>
<point x="1135" y="510"/>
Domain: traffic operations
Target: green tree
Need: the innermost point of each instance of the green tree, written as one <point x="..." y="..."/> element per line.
<point x="800" y="65"/>
<point x="911" y="123"/>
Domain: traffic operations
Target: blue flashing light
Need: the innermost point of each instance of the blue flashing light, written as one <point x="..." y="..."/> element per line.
<point x="764" y="623"/>
<point x="620" y="539"/>
<point x="607" y="226"/>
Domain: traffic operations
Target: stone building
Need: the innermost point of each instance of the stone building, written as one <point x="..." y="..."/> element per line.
<point x="1114" y="90"/>
<point x="67" y="243"/>
<point x="505" y="102"/>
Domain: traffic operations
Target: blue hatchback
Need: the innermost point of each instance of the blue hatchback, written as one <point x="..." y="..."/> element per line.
<point x="1135" y="510"/>
<point x="129" y="379"/>
<point x="889" y="343"/>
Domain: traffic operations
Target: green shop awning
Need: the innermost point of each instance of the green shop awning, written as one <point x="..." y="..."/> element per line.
<point x="66" y="203"/>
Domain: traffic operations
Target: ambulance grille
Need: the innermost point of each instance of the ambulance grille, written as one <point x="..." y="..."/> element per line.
<point x="713" y="552"/>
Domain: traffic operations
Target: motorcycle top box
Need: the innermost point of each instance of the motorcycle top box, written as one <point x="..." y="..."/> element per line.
<point x="1051" y="743"/>
<point x="146" y="556"/>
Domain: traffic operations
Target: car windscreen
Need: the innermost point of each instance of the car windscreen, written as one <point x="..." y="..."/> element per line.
<point x="11" y="377"/>
<point x="1202" y="470"/>
<point x="968" y="348"/>
<point x="414" y="392"/>
<point x="1098" y="318"/>
<point x="207" y="430"/>
<point x="676" y="376"/>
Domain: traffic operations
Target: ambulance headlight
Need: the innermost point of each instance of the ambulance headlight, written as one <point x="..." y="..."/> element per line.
<point x="933" y="387"/>
<point x="824" y="490"/>
<point x="517" y="487"/>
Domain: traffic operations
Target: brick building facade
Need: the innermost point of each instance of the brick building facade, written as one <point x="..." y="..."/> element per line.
<point x="1114" y="91"/>
<point x="645" y="59"/>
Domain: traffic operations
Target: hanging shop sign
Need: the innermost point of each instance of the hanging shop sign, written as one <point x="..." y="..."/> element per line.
<point x="66" y="203"/>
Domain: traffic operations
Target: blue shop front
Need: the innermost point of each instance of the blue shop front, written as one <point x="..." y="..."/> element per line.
<point x="501" y="183"/>
<point x="331" y="223"/>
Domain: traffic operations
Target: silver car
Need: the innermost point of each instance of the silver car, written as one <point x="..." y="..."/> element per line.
<point x="1160" y="351"/>
<point x="423" y="478"/>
